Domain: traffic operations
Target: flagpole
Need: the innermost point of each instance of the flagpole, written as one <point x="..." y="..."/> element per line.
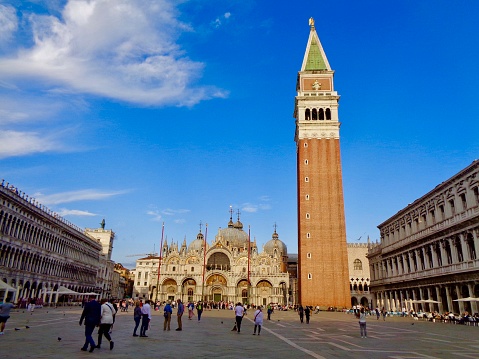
<point x="204" y="264"/>
<point x="159" y="262"/>
<point x="249" y="259"/>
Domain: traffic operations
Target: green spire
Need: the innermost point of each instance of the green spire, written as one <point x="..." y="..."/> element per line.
<point x="315" y="59"/>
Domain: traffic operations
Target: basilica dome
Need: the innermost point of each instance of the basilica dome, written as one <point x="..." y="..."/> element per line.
<point x="233" y="236"/>
<point x="198" y="243"/>
<point x="275" y="243"/>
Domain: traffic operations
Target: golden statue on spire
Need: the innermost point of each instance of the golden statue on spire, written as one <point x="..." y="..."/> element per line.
<point x="311" y="22"/>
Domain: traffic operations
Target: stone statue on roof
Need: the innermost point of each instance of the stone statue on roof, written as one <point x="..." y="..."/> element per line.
<point x="102" y="224"/>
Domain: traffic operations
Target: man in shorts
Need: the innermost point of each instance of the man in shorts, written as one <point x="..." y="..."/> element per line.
<point x="5" y="314"/>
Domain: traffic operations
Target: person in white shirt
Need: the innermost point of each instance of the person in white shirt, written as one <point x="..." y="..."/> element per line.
<point x="258" y="320"/>
<point x="362" y="323"/>
<point x="239" y="312"/>
<point x="108" y="312"/>
<point x="146" y="317"/>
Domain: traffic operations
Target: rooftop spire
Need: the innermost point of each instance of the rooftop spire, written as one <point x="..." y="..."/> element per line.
<point x="314" y="58"/>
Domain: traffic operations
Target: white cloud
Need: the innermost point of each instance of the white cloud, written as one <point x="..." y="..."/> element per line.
<point x="156" y="215"/>
<point x="123" y="49"/>
<point x="74" y="196"/>
<point x="8" y="23"/>
<point x="172" y="212"/>
<point x="219" y="20"/>
<point x="17" y="143"/>
<point x="74" y="212"/>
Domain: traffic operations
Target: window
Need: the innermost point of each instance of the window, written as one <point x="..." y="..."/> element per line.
<point x="190" y="292"/>
<point x="307" y="197"/>
<point x="307" y="216"/>
<point x="451" y="204"/>
<point x="310" y="276"/>
<point x="463" y="200"/>
<point x="441" y="212"/>
<point x="308" y="235"/>
<point x="308" y="255"/>
<point x="192" y="269"/>
<point x="138" y="283"/>
<point x="305" y="144"/>
<point x="173" y="269"/>
<point x="476" y="194"/>
<point x="306" y="179"/>
<point x="139" y="275"/>
<point x="145" y="284"/>
<point x="358" y="265"/>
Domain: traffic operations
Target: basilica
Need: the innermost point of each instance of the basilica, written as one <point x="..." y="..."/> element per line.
<point x="230" y="269"/>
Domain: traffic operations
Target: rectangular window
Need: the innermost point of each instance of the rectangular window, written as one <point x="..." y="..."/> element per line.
<point x="307" y="197"/>
<point x="137" y="283"/>
<point x="310" y="276"/>
<point x="308" y="235"/>
<point x="306" y="162"/>
<point x="309" y="255"/>
<point x="145" y="284"/>
<point x="463" y="200"/>
<point x="476" y="194"/>
<point x="192" y="269"/>
<point x="433" y="217"/>
<point x="453" y="209"/>
<point x="441" y="212"/>
<point x="306" y="179"/>
<point x="307" y="216"/>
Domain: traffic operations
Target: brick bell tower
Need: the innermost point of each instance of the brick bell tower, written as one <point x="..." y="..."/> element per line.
<point x="323" y="277"/>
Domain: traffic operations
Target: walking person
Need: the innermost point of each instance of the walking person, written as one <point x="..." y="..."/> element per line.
<point x="136" y="317"/>
<point x="384" y="313"/>
<point x="92" y="315"/>
<point x="145" y="318"/>
<point x="362" y="323"/>
<point x="179" y="313"/>
<point x="258" y="320"/>
<point x="301" y="313"/>
<point x="270" y="310"/>
<point x="167" y="312"/>
<point x="5" y="309"/>
<point x="378" y="314"/>
<point x="239" y="313"/>
<point x="191" y="308"/>
<point x="307" y="313"/>
<point x="106" y="321"/>
<point x="199" y="309"/>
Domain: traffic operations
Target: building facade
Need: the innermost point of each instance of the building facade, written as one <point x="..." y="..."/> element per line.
<point x="105" y="274"/>
<point x="359" y="274"/>
<point x="230" y="269"/>
<point x="427" y="255"/>
<point x="322" y="250"/>
<point x="41" y="252"/>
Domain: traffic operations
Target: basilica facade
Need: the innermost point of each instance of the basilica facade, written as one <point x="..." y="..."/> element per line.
<point x="230" y="269"/>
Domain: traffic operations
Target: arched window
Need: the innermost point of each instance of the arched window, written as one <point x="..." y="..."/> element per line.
<point x="190" y="292"/>
<point x="328" y="114"/>
<point x="321" y="114"/>
<point x="307" y="114"/>
<point x="315" y="114"/>
<point x="244" y="293"/>
<point x="358" y="265"/>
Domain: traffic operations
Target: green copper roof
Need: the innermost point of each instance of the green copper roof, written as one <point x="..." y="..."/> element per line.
<point x="315" y="59"/>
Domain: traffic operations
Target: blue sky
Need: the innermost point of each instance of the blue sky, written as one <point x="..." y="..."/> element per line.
<point x="144" y="112"/>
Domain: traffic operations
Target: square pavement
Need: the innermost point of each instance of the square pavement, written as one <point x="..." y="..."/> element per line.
<point x="329" y="335"/>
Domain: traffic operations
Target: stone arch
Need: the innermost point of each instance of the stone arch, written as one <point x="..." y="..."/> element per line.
<point x="218" y="261"/>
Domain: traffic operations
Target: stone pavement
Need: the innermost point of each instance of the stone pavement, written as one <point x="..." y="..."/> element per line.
<point x="329" y="335"/>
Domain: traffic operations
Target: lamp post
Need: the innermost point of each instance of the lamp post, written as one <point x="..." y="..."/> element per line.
<point x="159" y="262"/>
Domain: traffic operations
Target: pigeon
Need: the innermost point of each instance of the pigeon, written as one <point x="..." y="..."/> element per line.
<point x="17" y="329"/>
<point x="221" y="322"/>
<point x="26" y="326"/>
<point x="59" y="338"/>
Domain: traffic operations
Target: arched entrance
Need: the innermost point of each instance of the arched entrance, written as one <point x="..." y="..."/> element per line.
<point x="216" y="287"/>
<point x="264" y="292"/>
<point x="169" y="289"/>
<point x="188" y="288"/>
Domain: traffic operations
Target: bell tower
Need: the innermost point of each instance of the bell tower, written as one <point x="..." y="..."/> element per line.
<point x="323" y="276"/>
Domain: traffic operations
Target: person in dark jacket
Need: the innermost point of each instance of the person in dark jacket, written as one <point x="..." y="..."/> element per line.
<point x="92" y="315"/>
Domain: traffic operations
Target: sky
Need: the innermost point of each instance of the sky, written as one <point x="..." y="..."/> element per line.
<point x="149" y="112"/>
